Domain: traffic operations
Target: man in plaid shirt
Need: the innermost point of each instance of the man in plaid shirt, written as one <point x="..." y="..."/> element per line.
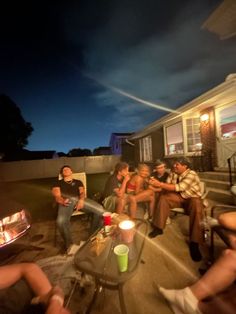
<point x="182" y="189"/>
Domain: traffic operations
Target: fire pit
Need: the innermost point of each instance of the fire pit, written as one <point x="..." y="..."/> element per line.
<point x="13" y="227"/>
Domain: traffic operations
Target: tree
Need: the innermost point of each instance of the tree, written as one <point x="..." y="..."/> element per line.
<point x="14" y="130"/>
<point x="79" y="152"/>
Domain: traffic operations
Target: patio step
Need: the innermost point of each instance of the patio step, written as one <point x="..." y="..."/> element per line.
<point x="218" y="186"/>
<point x="220" y="196"/>
<point x="215" y="175"/>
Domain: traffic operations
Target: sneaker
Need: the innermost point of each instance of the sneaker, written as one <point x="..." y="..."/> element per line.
<point x="195" y="252"/>
<point x="181" y="301"/>
<point x="146" y="216"/>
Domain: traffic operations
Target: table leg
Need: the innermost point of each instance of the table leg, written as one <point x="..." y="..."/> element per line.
<point x="95" y="294"/>
<point x="122" y="300"/>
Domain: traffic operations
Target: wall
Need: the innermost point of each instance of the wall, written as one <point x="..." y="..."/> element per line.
<point x="48" y="168"/>
<point x="208" y="139"/>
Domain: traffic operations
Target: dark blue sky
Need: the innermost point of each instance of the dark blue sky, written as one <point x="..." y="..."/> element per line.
<point x="62" y="64"/>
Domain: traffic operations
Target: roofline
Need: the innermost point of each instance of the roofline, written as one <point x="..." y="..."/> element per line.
<point x="195" y="103"/>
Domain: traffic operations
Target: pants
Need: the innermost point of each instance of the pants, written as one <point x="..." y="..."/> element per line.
<point x="65" y="212"/>
<point x="193" y="207"/>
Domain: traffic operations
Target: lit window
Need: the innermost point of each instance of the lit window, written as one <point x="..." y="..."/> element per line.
<point x="193" y="135"/>
<point x="228" y="122"/>
<point x="174" y="139"/>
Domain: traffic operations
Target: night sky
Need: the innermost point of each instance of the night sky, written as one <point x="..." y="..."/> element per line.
<point x="70" y="66"/>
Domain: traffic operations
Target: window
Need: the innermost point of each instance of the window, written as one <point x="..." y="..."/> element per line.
<point x="228" y="122"/>
<point x="145" y="149"/>
<point x="174" y="139"/>
<point x="193" y="135"/>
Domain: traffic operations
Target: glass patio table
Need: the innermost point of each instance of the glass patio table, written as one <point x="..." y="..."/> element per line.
<point x="103" y="266"/>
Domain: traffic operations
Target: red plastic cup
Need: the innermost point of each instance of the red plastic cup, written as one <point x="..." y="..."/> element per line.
<point x="107" y="219"/>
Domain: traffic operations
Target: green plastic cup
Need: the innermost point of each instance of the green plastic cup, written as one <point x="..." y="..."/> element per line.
<point x="122" y="252"/>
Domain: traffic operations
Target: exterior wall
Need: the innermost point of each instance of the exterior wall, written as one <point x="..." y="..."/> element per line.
<point x="128" y="154"/>
<point x="157" y="147"/>
<point x="158" y="144"/>
<point x="208" y="139"/>
<point x="48" y="168"/>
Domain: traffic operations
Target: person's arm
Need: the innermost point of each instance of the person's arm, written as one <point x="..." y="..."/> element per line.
<point x="121" y="190"/>
<point x="56" y="192"/>
<point x="80" y="203"/>
<point x="154" y="189"/>
<point x="162" y="185"/>
<point x="138" y="184"/>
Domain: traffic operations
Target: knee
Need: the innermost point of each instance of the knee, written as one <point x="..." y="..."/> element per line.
<point x="196" y="204"/>
<point x="222" y="220"/>
<point x="120" y="200"/>
<point x="132" y="199"/>
<point x="60" y="221"/>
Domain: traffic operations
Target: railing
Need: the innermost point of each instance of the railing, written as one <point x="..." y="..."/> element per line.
<point x="202" y="160"/>
<point x="232" y="169"/>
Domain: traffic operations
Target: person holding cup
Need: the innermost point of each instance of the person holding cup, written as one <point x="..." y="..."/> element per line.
<point x="69" y="194"/>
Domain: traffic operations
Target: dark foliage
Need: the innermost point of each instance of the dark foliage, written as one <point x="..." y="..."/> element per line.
<point x="14" y="130"/>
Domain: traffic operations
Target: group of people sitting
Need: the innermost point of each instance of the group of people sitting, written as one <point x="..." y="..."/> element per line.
<point x="162" y="190"/>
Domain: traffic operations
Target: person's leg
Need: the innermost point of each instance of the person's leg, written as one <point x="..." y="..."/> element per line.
<point x="120" y="205"/>
<point x="147" y="196"/>
<point x="63" y="222"/>
<point x="130" y="199"/>
<point x="90" y="206"/>
<point x="31" y="272"/>
<point x="194" y="208"/>
<point x="228" y="220"/>
<point x="166" y="201"/>
<point x="219" y="277"/>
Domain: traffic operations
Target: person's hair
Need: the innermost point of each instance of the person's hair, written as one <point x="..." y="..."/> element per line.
<point x="141" y="166"/>
<point x="159" y="162"/>
<point x="120" y="166"/>
<point x="63" y="167"/>
<point x="183" y="161"/>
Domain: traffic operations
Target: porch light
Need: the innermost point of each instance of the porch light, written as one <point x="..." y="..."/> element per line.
<point x="204" y="117"/>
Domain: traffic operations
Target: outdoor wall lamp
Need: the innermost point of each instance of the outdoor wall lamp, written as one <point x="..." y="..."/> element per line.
<point x="204" y="117"/>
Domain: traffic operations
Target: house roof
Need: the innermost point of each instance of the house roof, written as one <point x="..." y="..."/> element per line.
<point x="120" y="134"/>
<point x="223" y="93"/>
<point x="222" y="21"/>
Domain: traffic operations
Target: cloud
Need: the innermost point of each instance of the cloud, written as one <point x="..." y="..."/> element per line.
<point x="167" y="65"/>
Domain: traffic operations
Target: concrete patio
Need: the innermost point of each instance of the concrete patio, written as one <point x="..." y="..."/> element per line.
<point x="165" y="261"/>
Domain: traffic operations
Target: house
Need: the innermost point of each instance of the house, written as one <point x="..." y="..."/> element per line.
<point x="203" y="129"/>
<point x="116" y="142"/>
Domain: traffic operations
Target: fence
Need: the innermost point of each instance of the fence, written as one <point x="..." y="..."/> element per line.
<point x="48" y="168"/>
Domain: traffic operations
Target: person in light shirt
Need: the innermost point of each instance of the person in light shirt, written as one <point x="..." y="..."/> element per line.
<point x="182" y="189"/>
